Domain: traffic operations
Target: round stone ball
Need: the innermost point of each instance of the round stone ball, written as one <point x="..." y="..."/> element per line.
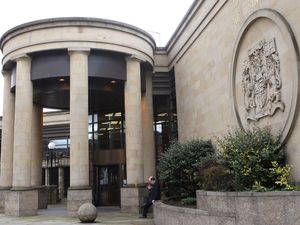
<point x="87" y="213"/>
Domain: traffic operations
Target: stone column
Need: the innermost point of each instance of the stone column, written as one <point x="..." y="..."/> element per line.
<point x="22" y="200"/>
<point x="36" y="156"/>
<point x="79" y="191"/>
<point x="7" y="138"/>
<point x="130" y="196"/>
<point x="23" y="124"/>
<point x="47" y="176"/>
<point x="148" y="133"/>
<point x="133" y="120"/>
<point x="37" y="146"/>
<point x="61" y="186"/>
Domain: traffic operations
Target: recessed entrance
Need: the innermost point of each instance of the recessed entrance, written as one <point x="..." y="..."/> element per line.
<point x="107" y="188"/>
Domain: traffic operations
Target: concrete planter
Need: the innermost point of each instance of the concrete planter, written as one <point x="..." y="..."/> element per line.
<point x="253" y="208"/>
<point x="52" y="194"/>
<point x="42" y="197"/>
<point x="234" y="208"/>
<point x="171" y="215"/>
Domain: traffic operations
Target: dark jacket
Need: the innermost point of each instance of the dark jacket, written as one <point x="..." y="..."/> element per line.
<point x="155" y="192"/>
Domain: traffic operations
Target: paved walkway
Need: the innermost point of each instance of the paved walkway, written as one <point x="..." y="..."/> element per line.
<point x="57" y="214"/>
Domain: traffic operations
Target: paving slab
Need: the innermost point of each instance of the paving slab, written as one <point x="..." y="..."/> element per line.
<point x="57" y="215"/>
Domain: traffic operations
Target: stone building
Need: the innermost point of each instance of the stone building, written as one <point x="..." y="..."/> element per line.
<point x="231" y="62"/>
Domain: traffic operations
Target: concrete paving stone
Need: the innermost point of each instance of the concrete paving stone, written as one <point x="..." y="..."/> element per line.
<point x="58" y="215"/>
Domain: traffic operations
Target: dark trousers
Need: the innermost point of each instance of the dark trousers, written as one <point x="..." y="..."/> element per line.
<point x="146" y="206"/>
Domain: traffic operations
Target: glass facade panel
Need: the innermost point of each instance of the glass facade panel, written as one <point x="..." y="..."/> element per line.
<point x="165" y="122"/>
<point x="106" y="130"/>
<point x="62" y="144"/>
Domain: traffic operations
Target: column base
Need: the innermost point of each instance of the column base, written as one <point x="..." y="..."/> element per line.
<point x="76" y="197"/>
<point x="42" y="197"/>
<point x="3" y="192"/>
<point x="132" y="198"/>
<point x="21" y="202"/>
<point x="52" y="194"/>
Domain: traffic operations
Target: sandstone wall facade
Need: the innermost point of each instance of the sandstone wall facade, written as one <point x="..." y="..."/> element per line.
<point x="237" y="64"/>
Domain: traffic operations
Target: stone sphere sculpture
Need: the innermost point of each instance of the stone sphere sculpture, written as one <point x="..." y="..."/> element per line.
<point x="87" y="213"/>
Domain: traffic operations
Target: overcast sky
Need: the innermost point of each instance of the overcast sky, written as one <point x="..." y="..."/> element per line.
<point x="158" y="17"/>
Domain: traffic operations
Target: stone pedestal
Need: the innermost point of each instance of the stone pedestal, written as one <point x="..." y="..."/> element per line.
<point x="42" y="197"/>
<point x="52" y="194"/>
<point x="77" y="197"/>
<point x="21" y="202"/>
<point x="132" y="199"/>
<point x="3" y="192"/>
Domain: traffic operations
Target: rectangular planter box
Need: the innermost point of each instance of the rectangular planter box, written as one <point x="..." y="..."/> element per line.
<point x="254" y="208"/>
<point x="171" y="215"/>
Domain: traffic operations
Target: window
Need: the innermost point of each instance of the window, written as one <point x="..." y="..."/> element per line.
<point x="61" y="144"/>
<point x="106" y="130"/>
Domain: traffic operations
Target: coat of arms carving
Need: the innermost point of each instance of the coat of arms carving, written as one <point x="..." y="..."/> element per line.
<point x="261" y="82"/>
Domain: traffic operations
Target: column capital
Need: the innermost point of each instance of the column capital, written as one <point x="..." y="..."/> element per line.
<point x="24" y="57"/>
<point x="150" y="72"/>
<point x="154" y="71"/>
<point x="134" y="58"/>
<point x="6" y="72"/>
<point x="79" y="50"/>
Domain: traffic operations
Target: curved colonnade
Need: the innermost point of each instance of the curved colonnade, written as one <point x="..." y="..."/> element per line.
<point x="82" y="52"/>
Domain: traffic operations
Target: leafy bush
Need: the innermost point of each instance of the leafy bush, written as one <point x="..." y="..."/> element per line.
<point x="189" y="201"/>
<point x="256" y="158"/>
<point x="214" y="177"/>
<point x="178" y="166"/>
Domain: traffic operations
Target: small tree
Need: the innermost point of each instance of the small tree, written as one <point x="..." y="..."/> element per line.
<point x="178" y="166"/>
<point x="256" y="159"/>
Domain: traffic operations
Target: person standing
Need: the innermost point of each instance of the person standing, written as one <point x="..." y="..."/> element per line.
<point x="154" y="194"/>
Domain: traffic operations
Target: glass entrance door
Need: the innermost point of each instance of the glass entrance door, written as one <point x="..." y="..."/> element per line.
<point x="108" y="185"/>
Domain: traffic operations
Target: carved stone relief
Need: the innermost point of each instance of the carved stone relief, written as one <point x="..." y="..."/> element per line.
<point x="265" y="74"/>
<point x="261" y="81"/>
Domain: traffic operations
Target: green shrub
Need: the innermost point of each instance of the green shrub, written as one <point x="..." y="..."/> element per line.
<point x="178" y="166"/>
<point x="295" y="188"/>
<point x="189" y="201"/>
<point x="256" y="158"/>
<point x="214" y="177"/>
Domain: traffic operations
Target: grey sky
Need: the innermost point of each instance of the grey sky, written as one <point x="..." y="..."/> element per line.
<point x="159" y="17"/>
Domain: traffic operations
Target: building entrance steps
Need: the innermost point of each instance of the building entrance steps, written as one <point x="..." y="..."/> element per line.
<point x="58" y="215"/>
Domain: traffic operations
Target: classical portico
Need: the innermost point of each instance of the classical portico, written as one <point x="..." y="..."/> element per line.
<point x="84" y="66"/>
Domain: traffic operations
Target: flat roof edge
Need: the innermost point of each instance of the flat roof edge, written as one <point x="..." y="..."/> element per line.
<point x="75" y="19"/>
<point x="184" y="22"/>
